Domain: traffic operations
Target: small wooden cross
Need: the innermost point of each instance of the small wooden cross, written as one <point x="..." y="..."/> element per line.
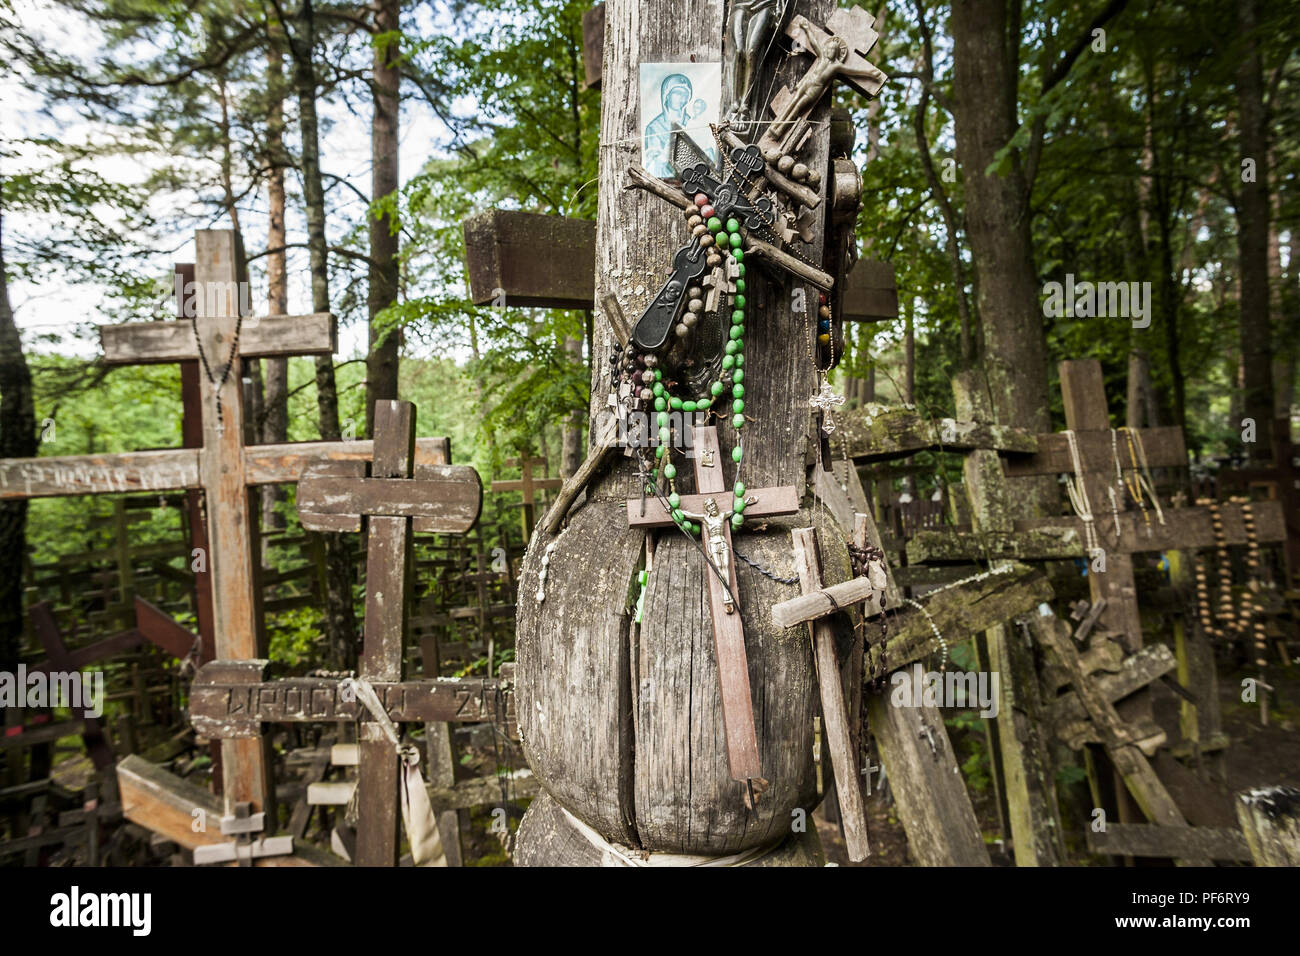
<point x="527" y="485"/>
<point x="835" y="715"/>
<point x="839" y="54"/>
<point x="728" y="628"/>
<point x="230" y="699"/>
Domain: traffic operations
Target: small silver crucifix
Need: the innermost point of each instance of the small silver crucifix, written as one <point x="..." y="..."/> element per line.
<point x="827" y="401"/>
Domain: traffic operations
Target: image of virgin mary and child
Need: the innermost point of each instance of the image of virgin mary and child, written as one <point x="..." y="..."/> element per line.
<point x="678" y="110"/>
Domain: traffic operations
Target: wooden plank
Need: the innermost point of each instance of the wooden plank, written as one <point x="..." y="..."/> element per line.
<point x="166" y="804"/>
<point x="1052" y="540"/>
<point x="1033" y="817"/>
<point x="447" y="499"/>
<point x="31" y="735"/>
<point x="99" y="474"/>
<point x="503" y="265"/>
<point x="47" y="631"/>
<point x="161" y="629"/>
<point x="823" y="601"/>
<point x="870" y="292"/>
<point x="1199" y="720"/>
<point x="1061" y="537"/>
<point x="1136" y="671"/>
<point x="728" y="628"/>
<point x="500" y="254"/>
<point x="929" y="790"/>
<point x="1147" y="840"/>
<point x="783" y="500"/>
<point x="100" y="650"/>
<point x="1187" y="528"/>
<point x="481" y="792"/>
<point x="1270" y="821"/>
<point x="1163" y="446"/>
<point x="330" y="793"/>
<point x="957" y="612"/>
<point x="1147" y="790"/>
<point x="284" y="463"/>
<point x="593" y="46"/>
<point x="245" y="774"/>
<point x="269" y="336"/>
<point x="388" y="600"/>
<point x="835" y="716"/>
<point x="879" y="433"/>
<point x="1083" y="393"/>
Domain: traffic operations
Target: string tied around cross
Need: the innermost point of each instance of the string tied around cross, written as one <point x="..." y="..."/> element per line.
<point x="417" y="812"/>
<point x="1077" y="491"/>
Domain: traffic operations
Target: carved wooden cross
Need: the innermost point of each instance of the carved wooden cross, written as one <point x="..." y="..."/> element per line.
<point x="398" y="496"/>
<point x="527" y="485"/>
<point x="222" y="467"/>
<point x="839" y="54"/>
<point x="728" y="628"/>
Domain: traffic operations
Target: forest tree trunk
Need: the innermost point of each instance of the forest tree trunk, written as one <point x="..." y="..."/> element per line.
<point x="275" y="416"/>
<point x="998" y="216"/>
<point x="17" y="440"/>
<point x="382" y="360"/>
<point x="1255" y="329"/>
<point x="340" y="617"/>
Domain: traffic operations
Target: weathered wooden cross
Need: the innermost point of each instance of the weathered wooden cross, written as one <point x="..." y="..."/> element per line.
<point x="230" y="698"/>
<point x="1099" y="448"/>
<point x="728" y="629"/>
<point x="527" y="484"/>
<point x="838" y="55"/>
<point x="223" y="468"/>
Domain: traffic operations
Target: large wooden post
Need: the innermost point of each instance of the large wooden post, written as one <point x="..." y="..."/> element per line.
<point x="624" y="726"/>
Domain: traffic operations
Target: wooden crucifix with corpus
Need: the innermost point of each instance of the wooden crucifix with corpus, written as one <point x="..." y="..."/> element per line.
<point x="838" y="54"/>
<point x="709" y="502"/>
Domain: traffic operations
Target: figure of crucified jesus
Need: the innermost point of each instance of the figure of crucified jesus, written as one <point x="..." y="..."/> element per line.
<point x="831" y="54"/>
<point x="750" y="26"/>
<point x="714" y="523"/>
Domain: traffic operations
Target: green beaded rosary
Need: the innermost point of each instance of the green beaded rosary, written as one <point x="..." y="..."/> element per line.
<point x="726" y="236"/>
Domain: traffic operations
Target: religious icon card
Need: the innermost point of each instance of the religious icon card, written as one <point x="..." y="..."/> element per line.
<point x="677" y="96"/>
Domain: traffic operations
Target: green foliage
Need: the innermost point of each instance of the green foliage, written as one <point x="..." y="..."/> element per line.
<point x="969" y="742"/>
<point x="81" y="410"/>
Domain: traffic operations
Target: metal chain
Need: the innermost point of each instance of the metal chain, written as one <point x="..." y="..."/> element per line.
<point x="764" y="571"/>
<point x="225" y="372"/>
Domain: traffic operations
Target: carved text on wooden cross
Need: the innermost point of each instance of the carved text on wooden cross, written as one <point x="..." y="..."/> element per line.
<point x="336" y="497"/>
<point x="728" y="628"/>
